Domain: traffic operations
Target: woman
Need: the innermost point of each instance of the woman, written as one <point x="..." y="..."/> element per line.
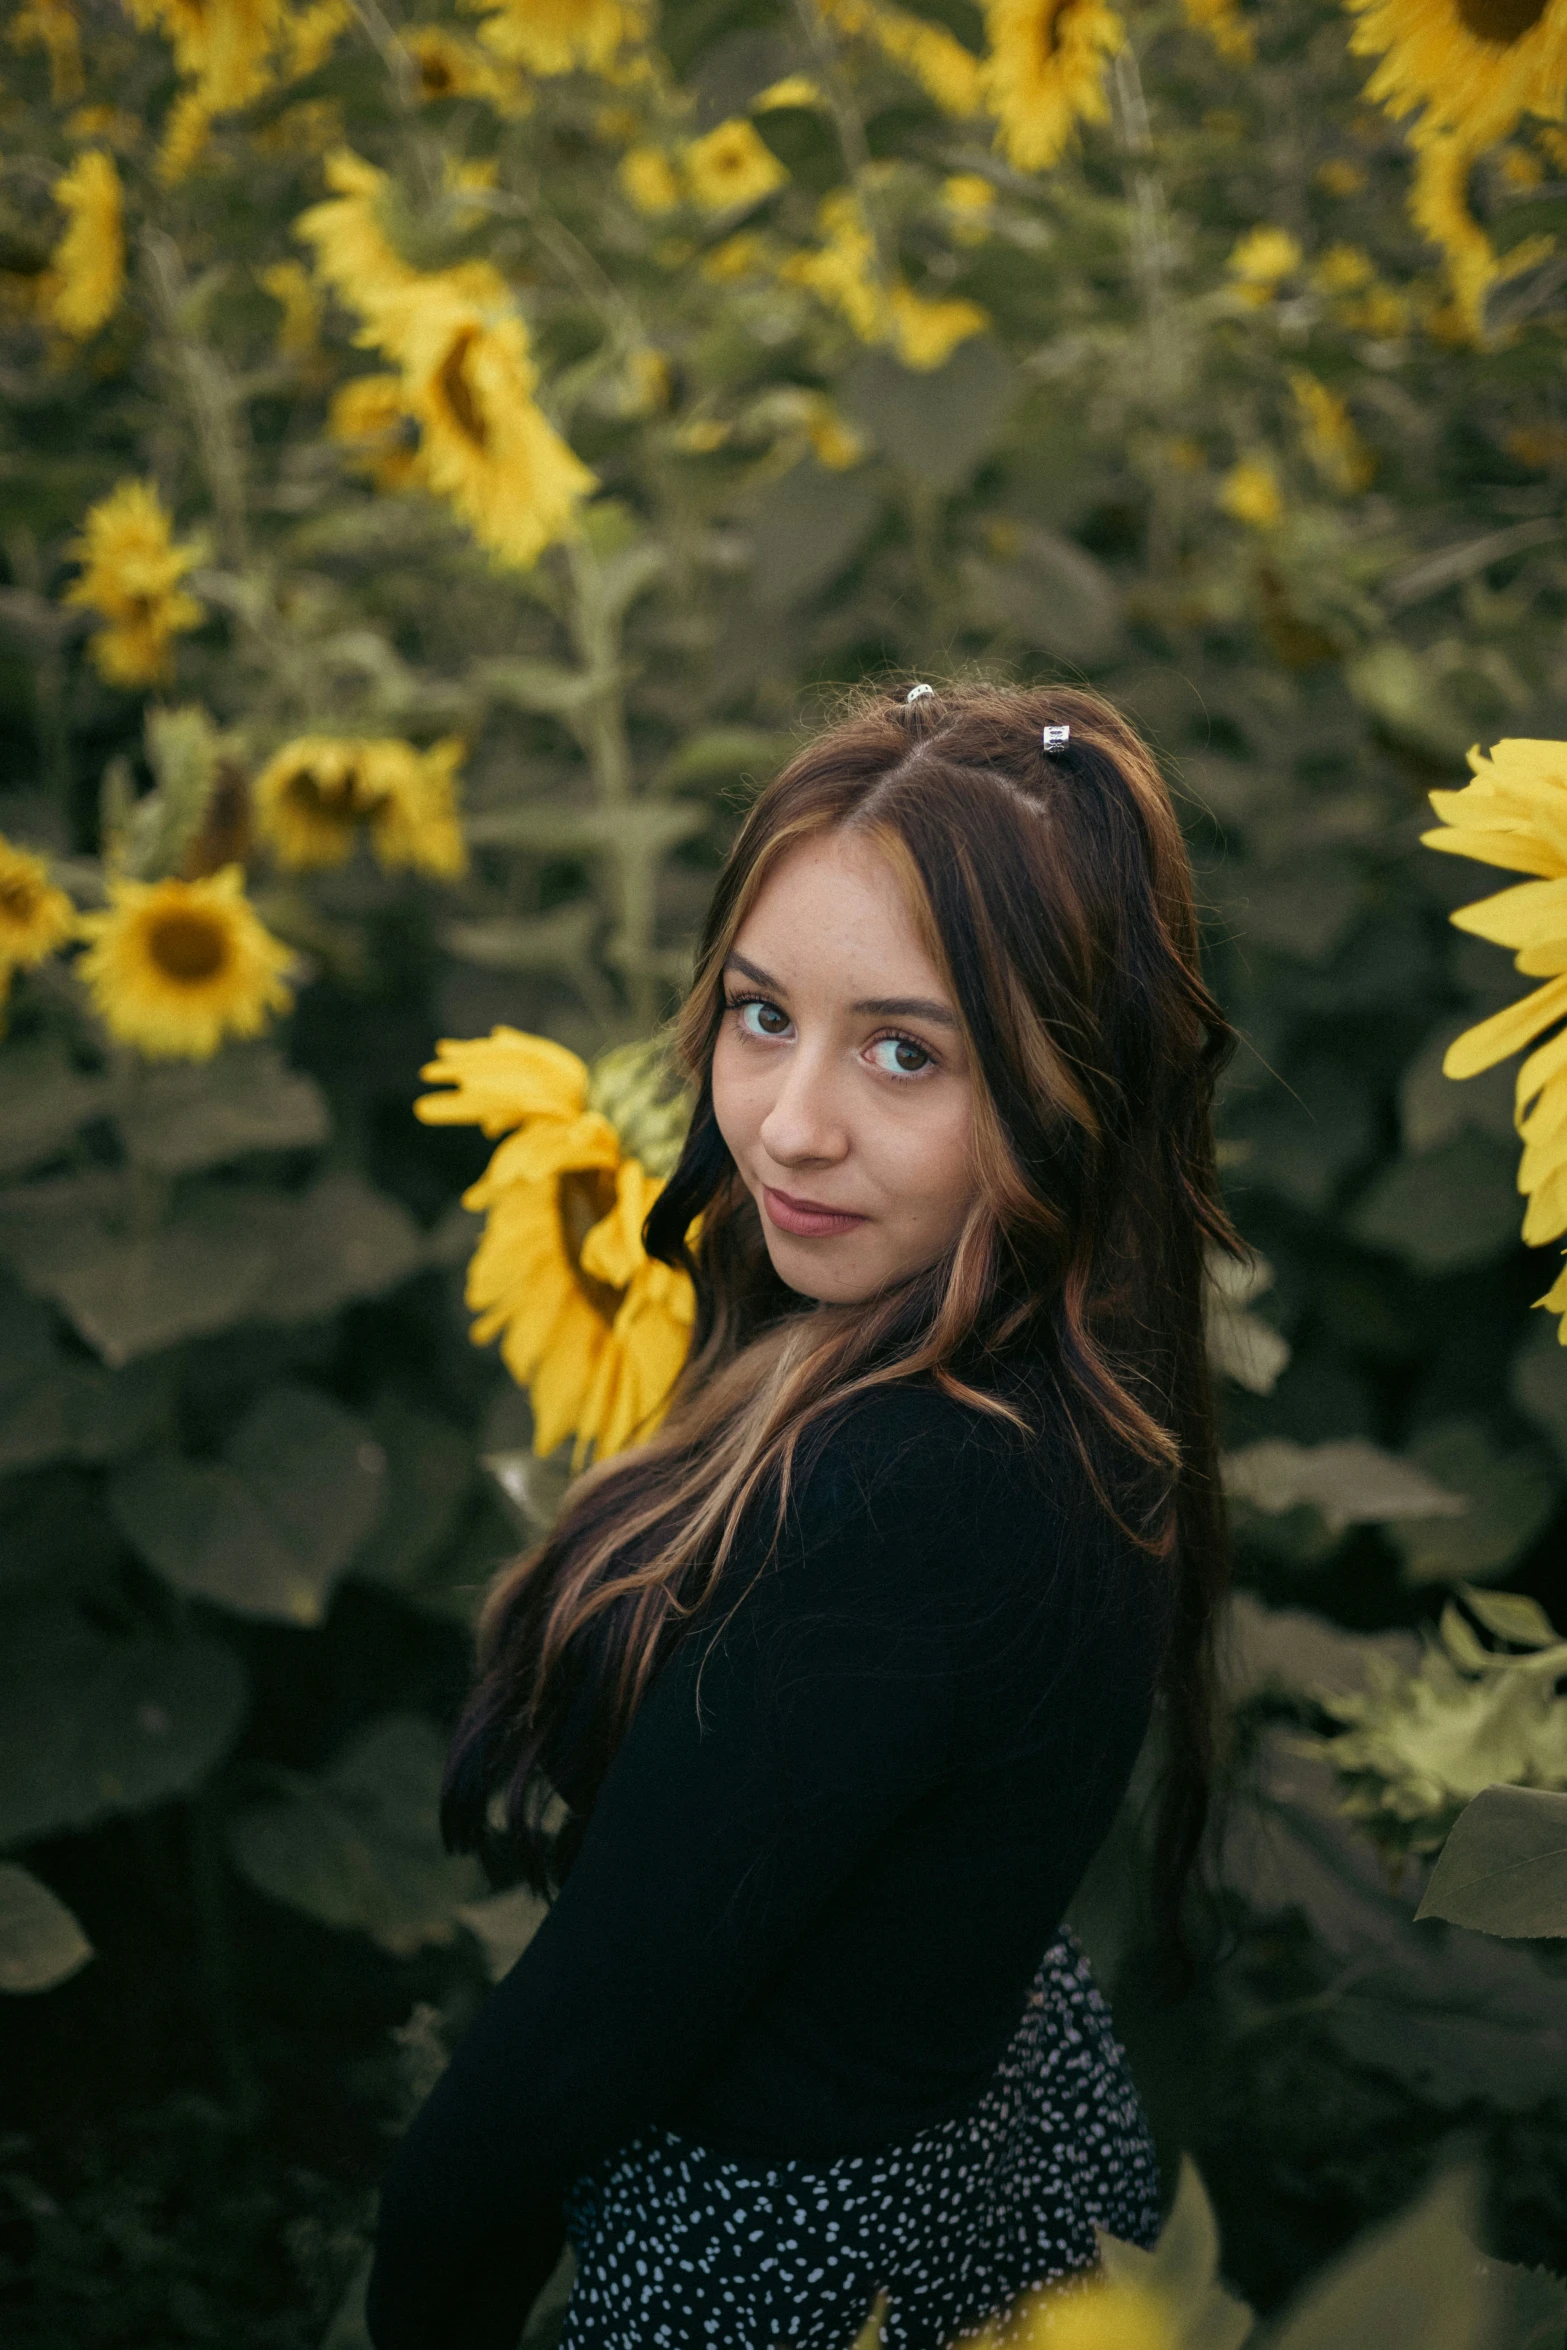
<point x="817" y="1704"/>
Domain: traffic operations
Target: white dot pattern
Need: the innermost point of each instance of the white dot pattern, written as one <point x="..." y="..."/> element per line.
<point x="679" y="2248"/>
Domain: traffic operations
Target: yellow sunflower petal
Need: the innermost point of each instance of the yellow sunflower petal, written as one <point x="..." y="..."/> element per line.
<point x="1532" y="915"/>
<point x="1555" y="1302"/>
<point x="499" y="1080"/>
<point x="35" y="917"/>
<point x="177" y="967"/>
<point x="1506" y="1031"/>
<point x="548" y="1147"/>
<point x="1545" y="1218"/>
<point x="1542" y="1068"/>
<point x="1046" y="72"/>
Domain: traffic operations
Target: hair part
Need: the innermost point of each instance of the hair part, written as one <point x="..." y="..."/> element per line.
<point x="1053" y="892"/>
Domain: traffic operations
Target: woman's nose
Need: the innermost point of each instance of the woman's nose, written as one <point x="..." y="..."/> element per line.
<point x="804" y="1122"/>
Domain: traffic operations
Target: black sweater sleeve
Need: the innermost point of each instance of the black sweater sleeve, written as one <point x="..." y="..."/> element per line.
<point x="765" y="1760"/>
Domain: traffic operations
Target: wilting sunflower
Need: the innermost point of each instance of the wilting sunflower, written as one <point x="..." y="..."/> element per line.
<point x="594" y="1328"/>
<point x="35" y="917"/>
<point x="353" y="251"/>
<point x="1514" y="814"/>
<point x="369" y="418"/>
<point x="320" y="792"/>
<point x="1466" y="66"/>
<point x="1045" y="72"/>
<point x="176" y="967"/>
<point x="87" y="266"/>
<point x="562" y="36"/>
<point x="731" y="166"/>
<point x="950" y="74"/>
<point x="131" y="574"/>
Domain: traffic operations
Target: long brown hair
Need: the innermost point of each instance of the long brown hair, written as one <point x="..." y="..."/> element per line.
<point x="1054" y="894"/>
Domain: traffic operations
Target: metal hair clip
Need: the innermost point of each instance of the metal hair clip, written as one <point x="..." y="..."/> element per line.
<point x="1055" y="738"/>
<point x="916" y="691"/>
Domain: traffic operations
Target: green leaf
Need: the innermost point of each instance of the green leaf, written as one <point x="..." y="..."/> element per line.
<point x="933" y="424"/>
<point x="1444" y="1210"/>
<point x="188" y="1115"/>
<point x="1351" y="1483"/>
<point x="44" y="1102"/>
<point x="41" y="1943"/>
<point x="1182" y="2272"/>
<point x="1409" y="701"/>
<point x="430" y="1471"/>
<point x="1434" y="1108"/>
<point x="1510" y="1495"/>
<point x="1537" y="1383"/>
<point x="1304" y="905"/>
<point x="358" y="1845"/>
<point x="267" y="1529"/>
<point x="341" y="1239"/>
<point x="91" y="1725"/>
<point x="639" y="829"/>
<point x="1503" y="1869"/>
<point x="1052" y="593"/>
<point x="544" y="686"/>
<point x="1512" y="1616"/>
<point x="806" y="527"/>
<point x="716" y="754"/>
<point x="558" y="941"/>
<point x="1415" y="2284"/>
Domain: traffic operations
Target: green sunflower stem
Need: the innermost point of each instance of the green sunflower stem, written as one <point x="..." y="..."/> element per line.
<point x="211" y="397"/>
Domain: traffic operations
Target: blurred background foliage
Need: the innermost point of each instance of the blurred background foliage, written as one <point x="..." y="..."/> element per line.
<point x="446" y="459"/>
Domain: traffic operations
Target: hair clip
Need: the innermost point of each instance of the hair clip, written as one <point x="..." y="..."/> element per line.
<point x="915" y="692"/>
<point x="1055" y="738"/>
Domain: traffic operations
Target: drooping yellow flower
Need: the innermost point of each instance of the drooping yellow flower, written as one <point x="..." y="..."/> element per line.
<point x="36" y="918"/>
<point x="370" y="418"/>
<point x="51" y="25"/>
<point x="87" y="266"/>
<point x="1261" y="260"/>
<point x="731" y="166"/>
<point x="1471" y="67"/>
<point x="222" y="54"/>
<point x="1250" y="491"/>
<point x="132" y="570"/>
<point x="649" y="179"/>
<point x="1439" y="208"/>
<point x="296" y="294"/>
<point x="1045" y="73"/>
<point x="926" y="333"/>
<point x="315" y="797"/>
<point x="1099" y="2314"/>
<point x="353" y="251"/>
<point x="588" y="1323"/>
<point x="484" y="443"/>
<point x="844" y="271"/>
<point x="1514" y="814"/>
<point x="177" y="967"/>
<point x="562" y="36"/>
<point x="947" y="72"/>
<point x="1225" y="27"/>
<point x="1328" y="431"/>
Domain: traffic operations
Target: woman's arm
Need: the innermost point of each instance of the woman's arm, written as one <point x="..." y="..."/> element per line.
<point x="760" y="1766"/>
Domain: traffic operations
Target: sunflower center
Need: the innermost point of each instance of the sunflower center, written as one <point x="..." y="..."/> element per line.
<point x="325" y="802"/>
<point x="435" y="77"/>
<point x="458" y="394"/>
<point x="585" y="1197"/>
<point x="1050" y="18"/>
<point x="19" y="898"/>
<point x="188" y="947"/>
<point x="1500" y="21"/>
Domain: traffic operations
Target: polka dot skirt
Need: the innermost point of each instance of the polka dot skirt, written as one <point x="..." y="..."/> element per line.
<point x="678" y="2248"/>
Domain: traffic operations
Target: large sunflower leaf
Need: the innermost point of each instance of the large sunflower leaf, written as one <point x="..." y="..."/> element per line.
<point x="91" y="1725"/>
<point x="268" y="1528"/>
<point x="430" y="1472"/>
<point x="936" y="423"/>
<point x="1503" y="1869"/>
<point x="188" y="1115"/>
<point x="1445" y="1209"/>
<point x="41" y="1943"/>
<point x="44" y="1101"/>
<point x="358" y="1845"/>
<point x="1510" y="1497"/>
<point x="339" y="1240"/>
<point x="56" y="1406"/>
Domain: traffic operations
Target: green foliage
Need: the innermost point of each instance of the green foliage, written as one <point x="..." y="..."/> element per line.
<point x="1503" y="1869"/>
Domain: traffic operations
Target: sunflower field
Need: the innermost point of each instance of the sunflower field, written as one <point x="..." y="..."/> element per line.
<point x="449" y="453"/>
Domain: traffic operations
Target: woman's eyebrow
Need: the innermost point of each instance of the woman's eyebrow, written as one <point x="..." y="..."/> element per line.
<point x="754" y="971"/>
<point x="905" y="1007"/>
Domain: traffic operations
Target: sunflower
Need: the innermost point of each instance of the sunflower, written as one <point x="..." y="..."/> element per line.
<point x="299" y="299"/>
<point x="1328" y="430"/>
<point x="731" y="167"/>
<point x="175" y="967"/>
<point x="844" y="271"/>
<point x="353" y="251"/>
<point x="970" y="203"/>
<point x="1466" y="66"/>
<point x="926" y="333"/>
<point x="484" y="443"/>
<point x="131" y="574"/>
<point x="562" y="36"/>
<point x="1250" y="491"/>
<point x="1045" y="71"/>
<point x="87" y="267"/>
<point x="1225" y="27"/>
<point x="1439" y="208"/>
<point x="947" y="72"/>
<point x="1104" y="2313"/>
<point x="446" y="67"/>
<point x="1514" y="814"/>
<point x="35" y="917"/>
<point x="1261" y="260"/>
<point x="370" y="418"/>
<point x="51" y="25"/>
<point x="222" y="53"/>
<point x="588" y="1323"/>
<point x="313" y="799"/>
<point x="649" y="179"/>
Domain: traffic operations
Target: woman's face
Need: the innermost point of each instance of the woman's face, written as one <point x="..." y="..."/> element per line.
<point x="840" y="1080"/>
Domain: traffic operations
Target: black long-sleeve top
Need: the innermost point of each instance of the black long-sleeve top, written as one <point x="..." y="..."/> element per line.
<point x="824" y="1864"/>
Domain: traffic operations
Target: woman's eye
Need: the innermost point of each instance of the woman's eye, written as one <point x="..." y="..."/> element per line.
<point x="900" y="1056"/>
<point x="758" y="1018"/>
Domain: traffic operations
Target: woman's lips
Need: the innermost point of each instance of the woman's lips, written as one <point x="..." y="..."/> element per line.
<point x="804" y="1218"/>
